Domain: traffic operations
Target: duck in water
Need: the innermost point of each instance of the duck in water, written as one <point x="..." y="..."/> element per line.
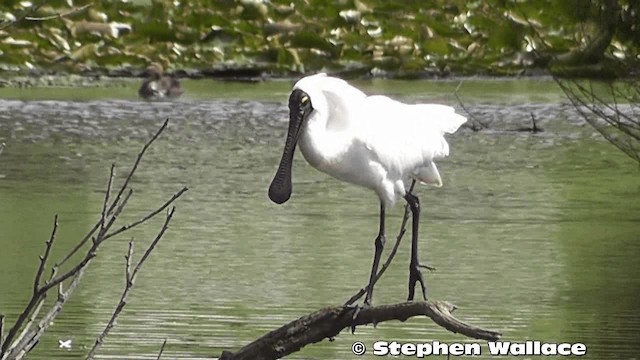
<point x="159" y="86"/>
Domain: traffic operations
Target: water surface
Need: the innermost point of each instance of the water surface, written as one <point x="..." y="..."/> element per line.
<point x="534" y="235"/>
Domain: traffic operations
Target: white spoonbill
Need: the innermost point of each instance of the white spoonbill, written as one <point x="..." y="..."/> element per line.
<point x="371" y="141"/>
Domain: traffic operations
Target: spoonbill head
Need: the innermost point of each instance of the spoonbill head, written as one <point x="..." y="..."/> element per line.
<point x="371" y="141"/>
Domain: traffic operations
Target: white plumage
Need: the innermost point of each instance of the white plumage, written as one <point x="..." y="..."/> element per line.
<point x="373" y="141"/>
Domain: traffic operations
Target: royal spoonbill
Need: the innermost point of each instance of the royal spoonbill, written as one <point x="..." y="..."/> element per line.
<point x="159" y="86"/>
<point x="371" y="141"/>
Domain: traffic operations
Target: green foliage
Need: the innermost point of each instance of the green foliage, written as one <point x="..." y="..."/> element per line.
<point x="408" y="36"/>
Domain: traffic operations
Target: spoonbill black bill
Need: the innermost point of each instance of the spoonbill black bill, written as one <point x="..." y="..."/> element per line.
<point x="371" y="141"/>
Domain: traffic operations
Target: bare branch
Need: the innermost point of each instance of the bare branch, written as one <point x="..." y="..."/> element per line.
<point x="26" y="326"/>
<point x="47" y="251"/>
<point x="146" y="254"/>
<point x="15" y="347"/>
<point x="149" y="216"/>
<point x="610" y="120"/>
<point x="127" y="270"/>
<point x="136" y="163"/>
<point x="474" y="124"/>
<point x="130" y="277"/>
<point x="534" y="128"/>
<point x="29" y="10"/>
<point x="37" y="298"/>
<point x="59" y="15"/>
<point x="100" y="237"/>
<point x="35" y="7"/>
<point x="35" y="303"/>
<point x="329" y="322"/>
<point x="33" y="336"/>
<point x="74" y="270"/>
<point x="79" y="245"/>
<point x="1" y="328"/>
<point x="107" y="194"/>
<point x="161" y="349"/>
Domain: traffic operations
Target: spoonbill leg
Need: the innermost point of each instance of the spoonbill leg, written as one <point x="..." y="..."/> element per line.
<point x="379" y="245"/>
<point x="415" y="273"/>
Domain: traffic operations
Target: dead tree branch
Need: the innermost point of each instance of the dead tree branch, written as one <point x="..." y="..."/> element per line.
<point x="130" y="277"/>
<point x="23" y="334"/>
<point x="620" y="125"/>
<point x="474" y="124"/>
<point x="615" y="118"/>
<point x="47" y="251"/>
<point x="1" y="328"/>
<point x="35" y="7"/>
<point x="164" y="343"/>
<point x="59" y="15"/>
<point x="32" y="335"/>
<point x="329" y="322"/>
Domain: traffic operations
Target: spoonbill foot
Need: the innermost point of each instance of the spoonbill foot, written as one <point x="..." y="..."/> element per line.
<point x="416" y="275"/>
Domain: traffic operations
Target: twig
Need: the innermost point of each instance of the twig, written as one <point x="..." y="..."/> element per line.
<point x="32" y="338"/>
<point x="27" y="325"/>
<point x="101" y="223"/>
<point x="392" y="254"/>
<point x="474" y="124"/>
<point x="161" y="349"/>
<point x="47" y="251"/>
<point x="15" y="346"/>
<point x="136" y="163"/>
<point x="32" y="309"/>
<point x="114" y="216"/>
<point x="25" y="13"/>
<point x="84" y="240"/>
<point x="2" y="145"/>
<point x="149" y="216"/>
<point x="58" y="15"/>
<point x="130" y="277"/>
<point x="103" y="228"/>
<point x="327" y="323"/>
<point x="106" y="197"/>
<point x="146" y="254"/>
<point x="127" y="270"/>
<point x="588" y="105"/>
<point x="535" y="128"/>
<point x="584" y="98"/>
<point x="1" y="328"/>
<point x="59" y="279"/>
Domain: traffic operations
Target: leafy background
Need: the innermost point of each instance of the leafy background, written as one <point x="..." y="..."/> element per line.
<point x="395" y="38"/>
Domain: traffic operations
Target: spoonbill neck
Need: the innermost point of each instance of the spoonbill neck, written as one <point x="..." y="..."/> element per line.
<point x="322" y="147"/>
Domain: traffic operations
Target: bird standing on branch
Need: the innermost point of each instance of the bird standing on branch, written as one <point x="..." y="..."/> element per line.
<point x="371" y="141"/>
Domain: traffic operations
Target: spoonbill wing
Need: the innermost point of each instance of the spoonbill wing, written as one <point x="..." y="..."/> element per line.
<point x="407" y="138"/>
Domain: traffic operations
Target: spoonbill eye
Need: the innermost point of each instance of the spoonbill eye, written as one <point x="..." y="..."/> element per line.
<point x="304" y="100"/>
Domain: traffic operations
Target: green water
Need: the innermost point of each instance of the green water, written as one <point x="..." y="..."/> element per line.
<point x="533" y="235"/>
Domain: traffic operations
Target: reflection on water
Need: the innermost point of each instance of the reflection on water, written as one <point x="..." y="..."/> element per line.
<point x="533" y="235"/>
